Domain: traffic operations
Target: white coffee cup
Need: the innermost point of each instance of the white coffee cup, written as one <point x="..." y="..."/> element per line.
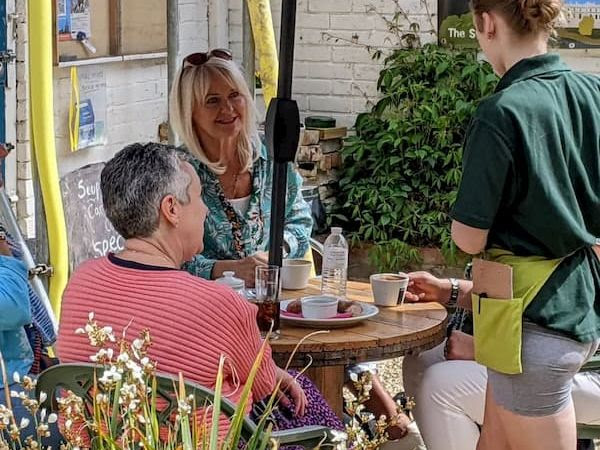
<point x="389" y="288"/>
<point x="295" y="273"/>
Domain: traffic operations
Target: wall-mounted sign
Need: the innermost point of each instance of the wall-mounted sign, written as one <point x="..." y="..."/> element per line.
<point x="579" y="29"/>
<point x="455" y="24"/>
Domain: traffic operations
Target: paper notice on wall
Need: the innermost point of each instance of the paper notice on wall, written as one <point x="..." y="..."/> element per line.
<point x="92" y="106"/>
<point x="81" y="24"/>
<point x="63" y="19"/>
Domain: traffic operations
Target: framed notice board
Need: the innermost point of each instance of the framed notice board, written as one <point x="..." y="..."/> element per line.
<point x="88" y="29"/>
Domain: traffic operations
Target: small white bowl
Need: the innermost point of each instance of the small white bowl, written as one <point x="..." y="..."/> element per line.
<point x="319" y="307"/>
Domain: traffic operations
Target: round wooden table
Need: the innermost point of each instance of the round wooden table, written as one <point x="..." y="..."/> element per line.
<point x="395" y="331"/>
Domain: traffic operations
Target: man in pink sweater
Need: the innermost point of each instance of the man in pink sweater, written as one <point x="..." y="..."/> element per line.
<point x="152" y="196"/>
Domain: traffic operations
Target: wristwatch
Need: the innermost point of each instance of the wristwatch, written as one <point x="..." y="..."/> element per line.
<point x="453" y="293"/>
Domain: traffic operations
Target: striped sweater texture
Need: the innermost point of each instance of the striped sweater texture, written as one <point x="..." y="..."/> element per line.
<point x="192" y="322"/>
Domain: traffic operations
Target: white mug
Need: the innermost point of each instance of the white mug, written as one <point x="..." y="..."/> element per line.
<point x="389" y="288"/>
<point x="295" y="273"/>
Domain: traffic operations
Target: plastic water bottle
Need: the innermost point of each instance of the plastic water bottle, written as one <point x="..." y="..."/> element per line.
<point x="335" y="264"/>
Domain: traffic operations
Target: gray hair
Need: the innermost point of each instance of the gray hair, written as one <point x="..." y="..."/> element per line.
<point x="136" y="180"/>
<point x="190" y="88"/>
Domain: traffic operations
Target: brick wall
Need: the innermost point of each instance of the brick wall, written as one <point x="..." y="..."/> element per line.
<point x="339" y="78"/>
<point x="25" y="195"/>
<point x="136" y="94"/>
<point x="334" y="73"/>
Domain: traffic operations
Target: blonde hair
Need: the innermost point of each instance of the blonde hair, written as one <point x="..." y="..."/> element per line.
<point x="523" y="16"/>
<point x="190" y="88"/>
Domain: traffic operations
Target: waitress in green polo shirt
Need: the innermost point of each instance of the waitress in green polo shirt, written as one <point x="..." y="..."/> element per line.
<point x="531" y="187"/>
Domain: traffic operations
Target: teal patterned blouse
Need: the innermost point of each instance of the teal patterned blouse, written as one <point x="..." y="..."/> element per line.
<point x="229" y="235"/>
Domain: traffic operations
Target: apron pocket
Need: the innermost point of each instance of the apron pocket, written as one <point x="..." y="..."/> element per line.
<point x="497" y="333"/>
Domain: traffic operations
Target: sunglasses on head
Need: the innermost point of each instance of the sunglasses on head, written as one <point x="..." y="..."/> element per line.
<point x="197" y="59"/>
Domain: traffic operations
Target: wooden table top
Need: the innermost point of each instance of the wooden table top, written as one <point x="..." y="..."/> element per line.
<point x="395" y="331"/>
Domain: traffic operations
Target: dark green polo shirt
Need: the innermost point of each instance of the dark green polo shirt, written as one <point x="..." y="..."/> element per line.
<point x="531" y="175"/>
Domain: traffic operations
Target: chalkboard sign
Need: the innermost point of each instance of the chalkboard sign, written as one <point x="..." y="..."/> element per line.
<point x="89" y="233"/>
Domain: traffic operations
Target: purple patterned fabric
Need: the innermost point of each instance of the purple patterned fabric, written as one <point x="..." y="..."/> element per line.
<point x="318" y="412"/>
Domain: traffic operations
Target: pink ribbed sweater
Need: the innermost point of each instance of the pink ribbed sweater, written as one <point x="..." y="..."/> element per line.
<point x="192" y="322"/>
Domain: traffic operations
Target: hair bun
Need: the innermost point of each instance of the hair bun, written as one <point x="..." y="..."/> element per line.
<point x="540" y="14"/>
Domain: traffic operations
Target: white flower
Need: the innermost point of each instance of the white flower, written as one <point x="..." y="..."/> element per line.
<point x="52" y="418"/>
<point x="79" y="331"/>
<point x="141" y="419"/>
<point x="338" y="436"/>
<point x="16" y="377"/>
<point x="24" y="423"/>
<point x="110" y="376"/>
<point x="91" y="316"/>
<point x="42" y="414"/>
<point x="123" y="358"/>
<point x="14" y="394"/>
<point x="68" y="424"/>
<point x="354" y="377"/>
<point x="137" y="344"/>
<point x="107" y="330"/>
<point x="43" y="397"/>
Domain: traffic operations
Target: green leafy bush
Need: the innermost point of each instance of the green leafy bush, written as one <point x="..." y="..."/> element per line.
<point x="402" y="168"/>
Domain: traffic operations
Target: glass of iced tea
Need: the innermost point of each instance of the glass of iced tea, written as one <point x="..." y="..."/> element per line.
<point x="267" y="299"/>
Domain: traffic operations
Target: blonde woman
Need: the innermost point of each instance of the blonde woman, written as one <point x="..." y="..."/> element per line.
<point x="213" y="113"/>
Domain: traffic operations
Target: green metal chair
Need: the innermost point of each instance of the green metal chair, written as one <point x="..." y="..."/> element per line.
<point x="589" y="431"/>
<point x="79" y="378"/>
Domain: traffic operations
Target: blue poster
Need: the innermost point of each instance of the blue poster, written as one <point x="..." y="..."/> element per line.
<point x="63" y="13"/>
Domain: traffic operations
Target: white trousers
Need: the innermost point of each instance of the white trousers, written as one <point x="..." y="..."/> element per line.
<point x="450" y="398"/>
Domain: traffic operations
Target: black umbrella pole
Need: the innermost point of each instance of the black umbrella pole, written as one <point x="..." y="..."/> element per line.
<point x="282" y="130"/>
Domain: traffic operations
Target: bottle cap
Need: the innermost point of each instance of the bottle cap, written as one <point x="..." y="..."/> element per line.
<point x="336" y="230"/>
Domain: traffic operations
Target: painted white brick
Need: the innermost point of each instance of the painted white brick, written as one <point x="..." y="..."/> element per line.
<point x="23" y="152"/>
<point x="355" y="22"/>
<point x="24" y="171"/>
<point x="301" y="69"/>
<point x="367" y="71"/>
<point x="330" y="103"/>
<point x="22" y="90"/>
<point x="342" y="87"/>
<point x="361" y="104"/>
<point x="312" y="53"/>
<point x="362" y="88"/>
<point x="22" y="112"/>
<point x="310" y="36"/>
<point x="312" y="86"/>
<point x="23" y="131"/>
<point x="22" y="74"/>
<point x="25" y="188"/>
<point x="329" y="6"/>
<point x="381" y="6"/>
<point x="235" y="17"/>
<point x="353" y="54"/>
<point x="328" y="70"/>
<point x="25" y="207"/>
<point x="311" y="20"/>
<point x="190" y="13"/>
